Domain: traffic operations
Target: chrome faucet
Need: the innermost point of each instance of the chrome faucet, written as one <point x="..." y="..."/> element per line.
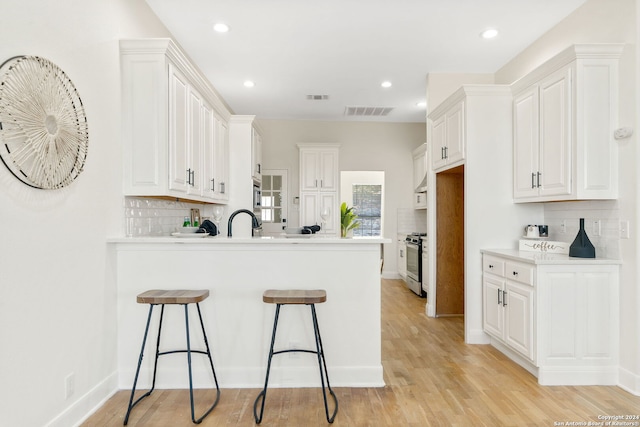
<point x="255" y="224"/>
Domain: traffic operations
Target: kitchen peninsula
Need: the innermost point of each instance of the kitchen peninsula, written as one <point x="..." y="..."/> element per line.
<point x="237" y="271"/>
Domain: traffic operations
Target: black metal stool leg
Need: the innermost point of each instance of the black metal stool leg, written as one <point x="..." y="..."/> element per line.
<point x="263" y="393"/>
<point x="322" y="363"/>
<point x="208" y="353"/>
<point x="140" y="357"/>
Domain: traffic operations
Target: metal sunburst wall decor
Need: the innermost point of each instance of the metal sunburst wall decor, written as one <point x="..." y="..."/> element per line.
<point x="43" y="127"/>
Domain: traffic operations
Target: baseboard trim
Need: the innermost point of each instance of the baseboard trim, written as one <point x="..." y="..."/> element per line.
<point x="87" y="404"/>
<point x="629" y="381"/>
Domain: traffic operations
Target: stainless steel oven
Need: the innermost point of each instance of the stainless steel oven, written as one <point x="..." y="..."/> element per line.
<point x="414" y="263"/>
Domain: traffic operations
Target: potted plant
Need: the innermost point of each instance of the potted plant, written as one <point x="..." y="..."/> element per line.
<point x="348" y="219"/>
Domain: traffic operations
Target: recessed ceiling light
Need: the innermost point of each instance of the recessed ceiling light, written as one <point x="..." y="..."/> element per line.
<point x="489" y="33"/>
<point x="221" y="27"/>
<point x="249" y="83"/>
<point x="385" y="84"/>
<point x="421" y="104"/>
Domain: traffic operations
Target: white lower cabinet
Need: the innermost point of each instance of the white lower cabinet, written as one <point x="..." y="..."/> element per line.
<point x="402" y="256"/>
<point x="558" y="319"/>
<point x="508" y="305"/>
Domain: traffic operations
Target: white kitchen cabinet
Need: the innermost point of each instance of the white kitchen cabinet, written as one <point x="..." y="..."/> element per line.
<point x="318" y="167"/>
<point x="256" y="155"/>
<point x="448" y="133"/>
<point x="508" y="304"/>
<point x="402" y="256"/>
<point x="425" y="266"/>
<point x="319" y="185"/>
<point x="420" y="200"/>
<point x="554" y="315"/>
<point x="216" y="149"/>
<point x="564" y="116"/>
<point x="312" y="203"/>
<point x="169" y="142"/>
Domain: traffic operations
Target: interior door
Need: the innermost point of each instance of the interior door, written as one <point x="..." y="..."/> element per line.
<point x="274" y="201"/>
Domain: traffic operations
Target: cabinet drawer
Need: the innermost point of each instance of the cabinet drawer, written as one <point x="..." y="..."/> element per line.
<point x="493" y="265"/>
<point x="522" y="273"/>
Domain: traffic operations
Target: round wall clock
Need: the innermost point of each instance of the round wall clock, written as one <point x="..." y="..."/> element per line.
<point x="43" y="127"/>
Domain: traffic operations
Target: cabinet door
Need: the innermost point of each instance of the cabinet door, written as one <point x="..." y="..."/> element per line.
<point x="309" y="166"/>
<point x="178" y="129"/>
<point x="208" y="151"/>
<point x="525" y="143"/>
<point x="402" y="260"/>
<point x="329" y="200"/>
<point x="518" y="331"/>
<point x="492" y="309"/>
<point x="555" y="133"/>
<point x="256" y="155"/>
<point x="221" y="172"/>
<point x="455" y="137"/>
<point x="194" y="146"/>
<point x="328" y="171"/>
<point x="309" y="206"/>
<point x="438" y="143"/>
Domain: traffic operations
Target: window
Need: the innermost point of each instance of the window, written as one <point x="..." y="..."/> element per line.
<point x="367" y="201"/>
<point x="271" y="199"/>
<point x="364" y="190"/>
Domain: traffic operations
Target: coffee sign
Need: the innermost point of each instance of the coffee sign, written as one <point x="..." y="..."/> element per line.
<point x="544" y="246"/>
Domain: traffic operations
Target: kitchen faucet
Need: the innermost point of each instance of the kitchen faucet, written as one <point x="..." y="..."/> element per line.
<point x="255" y="224"/>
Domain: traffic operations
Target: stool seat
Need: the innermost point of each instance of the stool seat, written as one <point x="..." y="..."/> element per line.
<point x="294" y="296"/>
<point x="176" y="296"/>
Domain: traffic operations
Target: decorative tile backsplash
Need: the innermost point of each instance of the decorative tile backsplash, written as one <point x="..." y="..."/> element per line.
<point x="155" y="217"/>
<point x="607" y="212"/>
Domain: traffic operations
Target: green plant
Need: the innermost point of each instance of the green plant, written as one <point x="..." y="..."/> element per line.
<point x="348" y="219"/>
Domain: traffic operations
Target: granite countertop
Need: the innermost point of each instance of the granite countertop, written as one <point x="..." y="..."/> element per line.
<point x="543" y="258"/>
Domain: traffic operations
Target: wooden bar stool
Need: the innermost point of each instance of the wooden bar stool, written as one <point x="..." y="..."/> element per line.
<point x="172" y="297"/>
<point x="310" y="298"/>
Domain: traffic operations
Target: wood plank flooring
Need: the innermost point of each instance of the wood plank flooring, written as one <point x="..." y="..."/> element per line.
<point x="432" y="377"/>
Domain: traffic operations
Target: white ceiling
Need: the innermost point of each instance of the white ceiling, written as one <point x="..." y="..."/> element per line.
<point x="346" y="48"/>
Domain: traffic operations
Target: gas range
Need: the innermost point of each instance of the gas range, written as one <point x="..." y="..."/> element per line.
<point x="415" y="238"/>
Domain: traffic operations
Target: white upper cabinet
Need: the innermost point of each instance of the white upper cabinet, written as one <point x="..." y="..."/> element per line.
<point x="564" y="116"/>
<point x="256" y="155"/>
<point x="448" y="136"/>
<point x="171" y="114"/>
<point x="319" y="185"/>
<point x="318" y="168"/>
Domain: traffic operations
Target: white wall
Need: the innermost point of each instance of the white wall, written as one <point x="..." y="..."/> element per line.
<point x="604" y="21"/>
<point x="364" y="146"/>
<point x="57" y="294"/>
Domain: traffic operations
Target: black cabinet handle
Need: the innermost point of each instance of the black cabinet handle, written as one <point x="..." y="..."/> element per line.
<point x="515" y="273"/>
<point x="499" y="294"/>
<point x="504" y="298"/>
<point x="539" y="174"/>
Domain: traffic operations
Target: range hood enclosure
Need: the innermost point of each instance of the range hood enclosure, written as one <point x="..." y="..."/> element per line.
<point x="422" y="187"/>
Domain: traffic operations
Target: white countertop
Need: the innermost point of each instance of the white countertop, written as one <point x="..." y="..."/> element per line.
<point x="541" y="258"/>
<point x="280" y="240"/>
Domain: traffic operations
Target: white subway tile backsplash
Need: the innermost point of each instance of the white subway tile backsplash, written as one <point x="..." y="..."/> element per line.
<point x="411" y="220"/>
<point x="154" y="217"/>
<point x="607" y="244"/>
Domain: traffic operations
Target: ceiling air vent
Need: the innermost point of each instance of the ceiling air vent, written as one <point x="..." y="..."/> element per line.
<point x="317" y="97"/>
<point x="367" y="111"/>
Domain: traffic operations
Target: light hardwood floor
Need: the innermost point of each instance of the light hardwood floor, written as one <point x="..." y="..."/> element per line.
<point x="432" y="377"/>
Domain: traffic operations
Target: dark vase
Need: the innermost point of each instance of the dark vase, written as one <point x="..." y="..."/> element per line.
<point x="582" y="246"/>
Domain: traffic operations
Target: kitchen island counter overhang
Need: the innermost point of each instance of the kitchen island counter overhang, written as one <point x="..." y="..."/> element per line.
<point x="237" y="271"/>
